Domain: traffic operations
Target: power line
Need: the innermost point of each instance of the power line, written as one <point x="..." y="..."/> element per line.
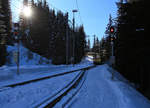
<point x="79" y="11"/>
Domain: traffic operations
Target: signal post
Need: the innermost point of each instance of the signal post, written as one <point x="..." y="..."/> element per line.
<point x="112" y="57"/>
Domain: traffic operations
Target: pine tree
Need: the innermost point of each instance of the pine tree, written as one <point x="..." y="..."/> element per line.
<point x="94" y="44"/>
<point x="47" y="34"/>
<point x="132" y="51"/>
<point x="60" y="41"/>
<point x="88" y="45"/>
<point x="80" y="44"/>
<point x="5" y="28"/>
<point x="108" y="37"/>
<point x="102" y="50"/>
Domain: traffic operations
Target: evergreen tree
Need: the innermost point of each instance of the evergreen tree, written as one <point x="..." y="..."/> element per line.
<point x="5" y="28"/>
<point x="60" y="40"/>
<point x="48" y="31"/>
<point x="105" y="43"/>
<point x="102" y="50"/>
<point x="94" y="44"/>
<point x="80" y="44"/>
<point x="132" y="51"/>
<point x="88" y="45"/>
<point x="108" y="36"/>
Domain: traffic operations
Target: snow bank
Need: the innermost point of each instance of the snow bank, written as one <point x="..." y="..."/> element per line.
<point x="99" y="90"/>
<point x="27" y="57"/>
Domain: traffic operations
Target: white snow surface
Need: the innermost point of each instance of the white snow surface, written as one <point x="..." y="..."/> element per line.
<point x="100" y="91"/>
<point x="8" y="74"/>
<point x="27" y="95"/>
<point x="26" y="57"/>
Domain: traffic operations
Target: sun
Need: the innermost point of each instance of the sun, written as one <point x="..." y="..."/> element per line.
<point x="27" y="11"/>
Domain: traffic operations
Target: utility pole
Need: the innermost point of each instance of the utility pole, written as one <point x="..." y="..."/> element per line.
<point x="88" y="43"/>
<point x="18" y="57"/>
<point x="74" y="11"/>
<point x="67" y="41"/>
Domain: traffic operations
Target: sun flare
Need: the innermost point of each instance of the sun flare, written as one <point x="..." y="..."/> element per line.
<point x="27" y="11"/>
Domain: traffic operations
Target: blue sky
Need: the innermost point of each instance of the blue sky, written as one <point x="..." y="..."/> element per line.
<point x="94" y="13"/>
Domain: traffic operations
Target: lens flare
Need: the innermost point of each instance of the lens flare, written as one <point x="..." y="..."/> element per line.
<point x="27" y="11"/>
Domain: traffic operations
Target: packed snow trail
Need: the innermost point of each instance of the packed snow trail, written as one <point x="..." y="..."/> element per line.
<point x="100" y="91"/>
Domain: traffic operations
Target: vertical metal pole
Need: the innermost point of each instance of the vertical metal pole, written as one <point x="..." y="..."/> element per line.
<point x="74" y="36"/>
<point x="73" y="40"/>
<point x="67" y="41"/>
<point x="112" y="56"/>
<point x="112" y="46"/>
<point x="18" y="56"/>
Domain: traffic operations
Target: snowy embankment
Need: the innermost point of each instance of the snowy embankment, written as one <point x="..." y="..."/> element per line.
<point x="100" y="91"/>
<point x="26" y="56"/>
<point x="30" y="68"/>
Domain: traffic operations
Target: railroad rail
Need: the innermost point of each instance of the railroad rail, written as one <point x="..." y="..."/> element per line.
<point x="43" y="78"/>
<point x="51" y="101"/>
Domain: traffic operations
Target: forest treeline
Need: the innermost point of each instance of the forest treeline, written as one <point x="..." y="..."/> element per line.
<point x="50" y="34"/>
<point x="46" y="32"/>
<point x="5" y="29"/>
<point x="131" y="43"/>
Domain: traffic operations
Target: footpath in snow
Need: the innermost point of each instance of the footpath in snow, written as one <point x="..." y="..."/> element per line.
<point x="100" y="91"/>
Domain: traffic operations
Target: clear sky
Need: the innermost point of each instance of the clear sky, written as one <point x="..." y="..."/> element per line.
<point x="94" y="13"/>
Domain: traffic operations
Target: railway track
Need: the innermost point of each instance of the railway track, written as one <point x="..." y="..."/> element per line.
<point x="42" y="78"/>
<point x="51" y="101"/>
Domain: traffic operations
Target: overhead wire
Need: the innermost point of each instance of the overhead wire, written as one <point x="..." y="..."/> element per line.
<point x="79" y="12"/>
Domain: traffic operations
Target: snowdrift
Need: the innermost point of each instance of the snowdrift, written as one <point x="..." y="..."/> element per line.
<point x="27" y="57"/>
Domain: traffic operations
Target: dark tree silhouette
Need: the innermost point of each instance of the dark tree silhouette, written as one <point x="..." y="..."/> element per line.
<point x="5" y="28"/>
<point x="47" y="34"/>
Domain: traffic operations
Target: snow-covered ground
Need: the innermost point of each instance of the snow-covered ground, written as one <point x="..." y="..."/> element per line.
<point x="100" y="91"/>
<point x="32" y="66"/>
<point x="8" y="74"/>
<point x="28" y="95"/>
<point x="26" y="56"/>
